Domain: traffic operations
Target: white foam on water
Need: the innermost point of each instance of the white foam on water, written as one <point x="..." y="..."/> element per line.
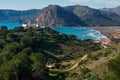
<point x="96" y="35"/>
<point x="83" y="33"/>
<point x="91" y="34"/>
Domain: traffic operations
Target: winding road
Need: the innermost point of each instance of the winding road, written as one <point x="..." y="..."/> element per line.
<point x="76" y="64"/>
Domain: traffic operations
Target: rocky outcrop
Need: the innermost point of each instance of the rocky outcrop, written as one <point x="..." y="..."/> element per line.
<point x="54" y="15"/>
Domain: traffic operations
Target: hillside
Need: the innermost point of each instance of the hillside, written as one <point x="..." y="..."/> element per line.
<point x="24" y="53"/>
<point x="54" y="15"/>
<point x="114" y="10"/>
<point x="99" y="65"/>
<point x="18" y="16"/>
<point x="94" y="16"/>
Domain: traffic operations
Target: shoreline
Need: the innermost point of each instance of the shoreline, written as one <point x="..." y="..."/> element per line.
<point x="109" y="32"/>
<point x="112" y="34"/>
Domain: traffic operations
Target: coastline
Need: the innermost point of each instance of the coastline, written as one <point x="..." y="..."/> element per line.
<point x="109" y="32"/>
<point x="112" y="33"/>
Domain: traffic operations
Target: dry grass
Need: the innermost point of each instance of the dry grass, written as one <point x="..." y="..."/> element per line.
<point x="99" y="67"/>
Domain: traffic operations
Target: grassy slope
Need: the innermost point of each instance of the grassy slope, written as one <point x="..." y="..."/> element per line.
<point x="95" y="67"/>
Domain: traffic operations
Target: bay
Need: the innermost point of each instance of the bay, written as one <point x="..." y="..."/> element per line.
<point x="81" y="33"/>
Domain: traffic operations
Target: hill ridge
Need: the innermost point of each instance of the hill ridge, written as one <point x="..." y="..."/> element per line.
<point x="76" y="15"/>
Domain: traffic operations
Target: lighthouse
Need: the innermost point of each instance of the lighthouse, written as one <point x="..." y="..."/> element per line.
<point x="37" y="24"/>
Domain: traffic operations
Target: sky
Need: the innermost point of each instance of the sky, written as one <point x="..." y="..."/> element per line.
<point x="39" y="4"/>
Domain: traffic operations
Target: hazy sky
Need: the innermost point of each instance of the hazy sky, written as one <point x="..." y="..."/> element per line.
<point x="38" y="4"/>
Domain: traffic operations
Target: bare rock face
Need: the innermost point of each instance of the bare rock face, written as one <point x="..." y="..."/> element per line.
<point x="54" y="15"/>
<point x="114" y="10"/>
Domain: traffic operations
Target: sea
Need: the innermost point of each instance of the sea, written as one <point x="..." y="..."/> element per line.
<point x="10" y="25"/>
<point x="80" y="33"/>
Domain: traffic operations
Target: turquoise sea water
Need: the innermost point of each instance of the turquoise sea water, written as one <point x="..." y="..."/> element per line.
<point x="10" y="25"/>
<point x="81" y="33"/>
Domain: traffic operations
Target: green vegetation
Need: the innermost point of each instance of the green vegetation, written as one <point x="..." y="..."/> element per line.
<point x="114" y="67"/>
<point x="100" y="65"/>
<point x="24" y="53"/>
<point x="54" y="72"/>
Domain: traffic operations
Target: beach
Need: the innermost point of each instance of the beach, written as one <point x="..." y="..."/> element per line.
<point x="112" y="33"/>
<point x="109" y="32"/>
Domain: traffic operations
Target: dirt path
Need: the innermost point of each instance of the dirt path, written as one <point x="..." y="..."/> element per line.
<point x="76" y="64"/>
<point x="52" y="54"/>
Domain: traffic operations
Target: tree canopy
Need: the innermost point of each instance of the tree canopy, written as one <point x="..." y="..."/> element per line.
<point x="24" y="53"/>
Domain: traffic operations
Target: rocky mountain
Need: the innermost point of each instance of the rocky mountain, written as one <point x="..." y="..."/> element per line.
<point x="54" y="15"/>
<point x="18" y="16"/>
<point x="115" y="10"/>
<point x="68" y="16"/>
<point x="94" y="16"/>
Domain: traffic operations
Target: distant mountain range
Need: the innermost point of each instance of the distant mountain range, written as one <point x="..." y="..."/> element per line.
<point x="55" y="15"/>
<point x="18" y="16"/>
<point x="94" y="16"/>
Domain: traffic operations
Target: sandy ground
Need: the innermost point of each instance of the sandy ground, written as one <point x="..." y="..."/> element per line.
<point x="109" y="31"/>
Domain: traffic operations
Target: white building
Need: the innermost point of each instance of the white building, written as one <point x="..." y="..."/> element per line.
<point x="24" y="25"/>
